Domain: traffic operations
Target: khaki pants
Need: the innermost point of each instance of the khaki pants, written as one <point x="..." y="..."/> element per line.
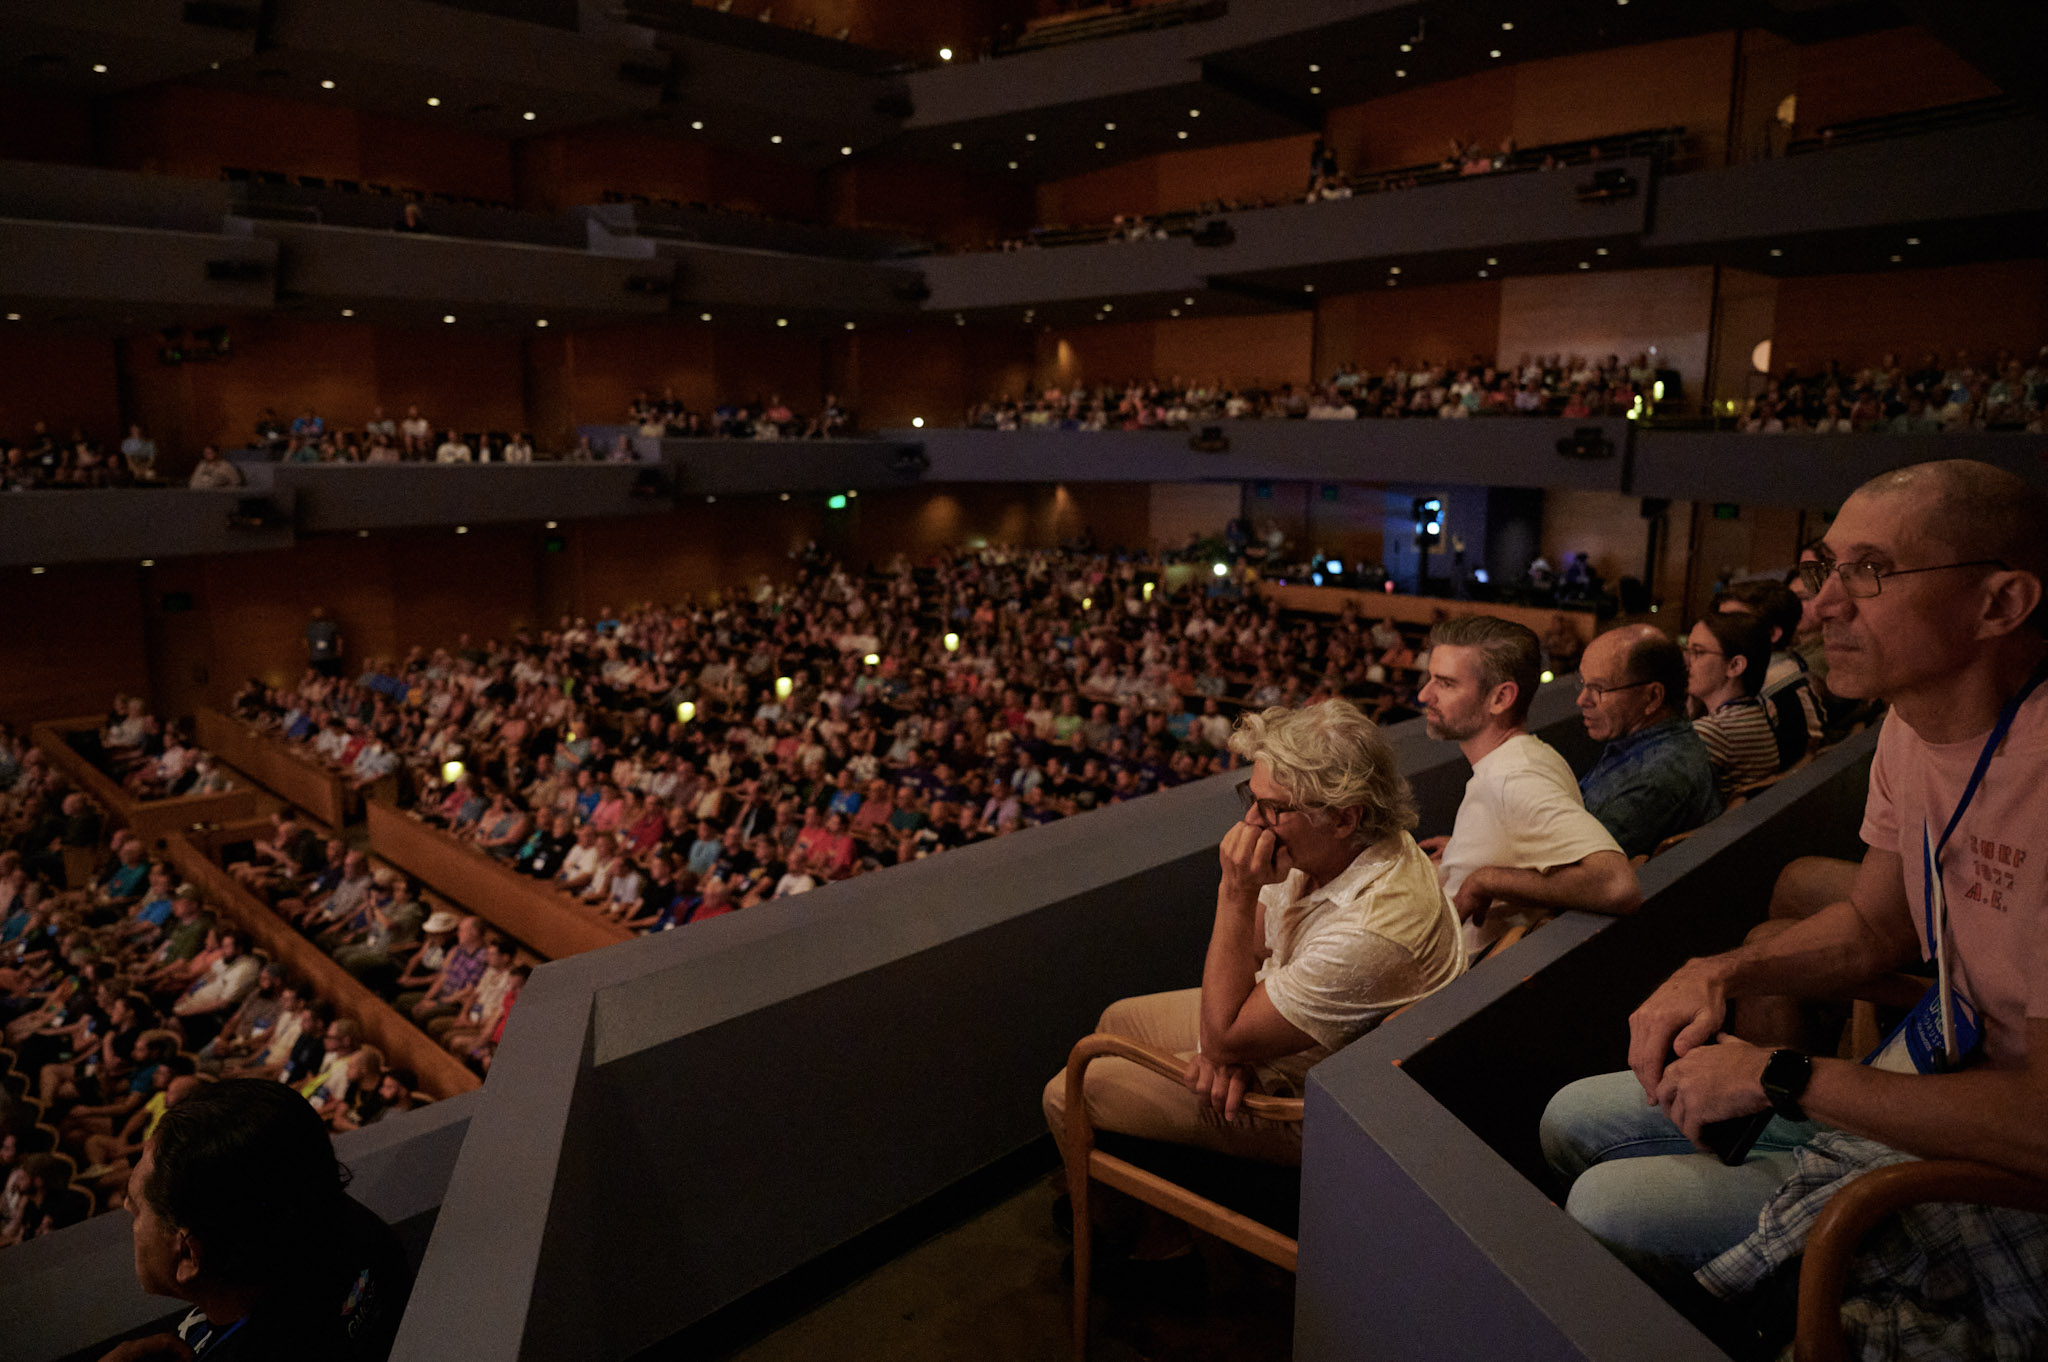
<point x="1134" y="1101"/>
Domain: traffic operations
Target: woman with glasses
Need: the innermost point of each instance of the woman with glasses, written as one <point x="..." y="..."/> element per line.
<point x="1726" y="657"/>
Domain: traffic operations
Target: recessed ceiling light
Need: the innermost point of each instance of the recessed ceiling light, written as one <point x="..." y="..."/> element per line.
<point x="696" y="125"/>
<point x="327" y="85"/>
<point x="1494" y="53"/>
<point x="782" y="321"/>
<point x="1393" y="269"/>
<point x="37" y="572"/>
<point x="551" y="524"/>
<point x="956" y="146"/>
<point x="1187" y="302"/>
<point x="1315" y="89"/>
<point x="1400" y="75"/>
<point x="529" y="115"/>
<point x="1392" y="282"/>
<point x="775" y="138"/>
<point x="1775" y="252"/>
<point x="1182" y="134"/>
<point x="149" y="562"/>
<point x="783" y="497"/>
<point x="1013" y="165"/>
<point x="703" y="316"/>
<point x="1482" y="274"/>
<point x="1109" y="127"/>
<point x="540" y="321"/>
<point x="1100" y="145"/>
<point x="462" y="529"/>
<point x="448" y="317"/>
<point x="945" y="54"/>
<point x="1912" y="241"/>
<point x="1585" y="264"/>
<point x="709" y="501"/>
<point x="849" y="326"/>
<point x="362" y="534"/>
<point x="1313" y="68"/>
<point x="846" y="151"/>
<point x="1897" y="258"/>
<point x="1194" y="113"/>
<point x="1109" y="307"/>
<point x="14" y="316"/>
<point x="1031" y="137"/>
<point x="1407" y="47"/>
<point x="1507" y="25"/>
<point x="1173" y="312"/>
<point x="1308" y="288"/>
<point x="433" y="101"/>
<point x="1599" y="250"/>
<point x="1621" y="2"/>
<point x="348" y="312"/>
<point x="1491" y="260"/>
<point x="99" y="68"/>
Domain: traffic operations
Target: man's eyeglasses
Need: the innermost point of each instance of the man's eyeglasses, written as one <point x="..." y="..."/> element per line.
<point x="1601" y="692"/>
<point x="1269" y="809"/>
<point x="1864" y="580"/>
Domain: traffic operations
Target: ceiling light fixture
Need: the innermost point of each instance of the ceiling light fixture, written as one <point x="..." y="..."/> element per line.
<point x="956" y="146"/>
<point x="1182" y="134"/>
<point x="14" y="316"/>
<point x="775" y="138"/>
<point x="433" y="101"/>
<point x="1776" y="252"/>
<point x="1187" y="302"/>
<point x="1013" y="165"/>
<point x="540" y="321"/>
<point x="1897" y="258"/>
<point x="1585" y="264"/>
<point x="1912" y="241"/>
<point x="551" y="524"/>
<point x="1109" y="127"/>
<point x="99" y="68"/>
<point x="1313" y="68"/>
<point x="1194" y="113"/>
<point x="1482" y="274"/>
<point x="1407" y="47"/>
<point x="1173" y="312"/>
<point x="1599" y="250"/>
<point x="327" y="85"/>
<point x="696" y="125"/>
<point x="1495" y="54"/>
<point x="782" y="321"/>
<point x="945" y="54"/>
<point x="529" y="115"/>
<point x="849" y="326"/>
<point x="348" y="312"/>
<point x="846" y="151"/>
<point x="1491" y="260"/>
<point x="1315" y="89"/>
<point x="1308" y="288"/>
<point x="1400" y="75"/>
<point x="1031" y="137"/>
<point x="703" y="316"/>
<point x="448" y="317"/>
<point x="1099" y="146"/>
<point x="1393" y="269"/>
<point x="1507" y="25"/>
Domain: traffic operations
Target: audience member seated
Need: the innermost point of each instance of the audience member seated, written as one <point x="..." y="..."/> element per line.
<point x="668" y="417"/>
<point x="1355" y="926"/>
<point x="2003" y="392"/>
<point x="1523" y="842"/>
<point x="1930" y="588"/>
<point x="1726" y="658"/>
<point x="1654" y="778"/>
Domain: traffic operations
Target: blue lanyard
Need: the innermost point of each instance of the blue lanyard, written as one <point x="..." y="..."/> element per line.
<point x="212" y="1340"/>
<point x="1931" y="866"/>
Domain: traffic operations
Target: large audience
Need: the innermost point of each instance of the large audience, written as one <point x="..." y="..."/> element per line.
<point x="122" y="993"/>
<point x="1966" y="391"/>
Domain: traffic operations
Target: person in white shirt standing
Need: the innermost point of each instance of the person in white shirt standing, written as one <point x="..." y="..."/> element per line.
<point x="1523" y="839"/>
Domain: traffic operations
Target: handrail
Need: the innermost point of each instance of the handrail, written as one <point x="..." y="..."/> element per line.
<point x="147" y="818"/>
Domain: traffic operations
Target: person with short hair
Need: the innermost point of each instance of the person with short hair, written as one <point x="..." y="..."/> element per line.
<point x="1725" y="658"/>
<point x="1523" y="842"/>
<point x="1930" y="590"/>
<point x="1328" y="918"/>
<point x="1654" y="778"/>
<point x="213" y="473"/>
<point x="239" y="1206"/>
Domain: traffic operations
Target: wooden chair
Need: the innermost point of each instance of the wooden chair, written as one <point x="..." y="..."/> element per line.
<point x="1086" y="1164"/>
<point x="1853" y="1211"/>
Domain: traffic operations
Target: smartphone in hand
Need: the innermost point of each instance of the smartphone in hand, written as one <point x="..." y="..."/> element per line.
<point x="1731" y="1140"/>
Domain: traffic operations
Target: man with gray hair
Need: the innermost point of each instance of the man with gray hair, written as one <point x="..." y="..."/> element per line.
<point x="1523" y="839"/>
<point x="1328" y="918"/>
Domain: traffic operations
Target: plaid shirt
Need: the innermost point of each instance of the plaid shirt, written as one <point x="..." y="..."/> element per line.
<point x="461" y="969"/>
<point x="1933" y="1282"/>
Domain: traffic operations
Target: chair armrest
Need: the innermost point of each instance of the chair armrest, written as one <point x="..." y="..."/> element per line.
<point x="1851" y="1213"/>
<point x="1088" y="1049"/>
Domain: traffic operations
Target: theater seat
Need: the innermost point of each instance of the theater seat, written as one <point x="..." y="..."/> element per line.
<point x="1853" y="1211"/>
<point x="1271" y="1192"/>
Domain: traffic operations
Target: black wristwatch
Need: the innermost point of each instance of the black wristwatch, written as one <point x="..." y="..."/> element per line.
<point x="1785" y="1078"/>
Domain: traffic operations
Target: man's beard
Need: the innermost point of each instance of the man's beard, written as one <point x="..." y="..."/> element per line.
<point x="1444" y="730"/>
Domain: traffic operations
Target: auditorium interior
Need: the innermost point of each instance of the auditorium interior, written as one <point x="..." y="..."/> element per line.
<point x="354" y="350"/>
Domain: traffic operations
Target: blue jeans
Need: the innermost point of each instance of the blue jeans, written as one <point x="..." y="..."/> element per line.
<point x="1643" y="1190"/>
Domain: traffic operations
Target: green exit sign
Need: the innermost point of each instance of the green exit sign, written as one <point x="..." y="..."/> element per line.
<point x="1727" y="510"/>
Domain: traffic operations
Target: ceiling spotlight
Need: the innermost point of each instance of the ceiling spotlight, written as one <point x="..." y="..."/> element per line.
<point x="1100" y="145"/>
<point x="1599" y="250"/>
<point x="540" y="321"/>
<point x="99" y="68"/>
<point x="1194" y="113"/>
<point x="703" y="316"/>
<point x="448" y="317"/>
<point x="149" y="562"/>
<point x="1109" y="307"/>
<point x="529" y="115"/>
<point x="782" y="321"/>
<point x="1897" y="258"/>
<point x="1491" y="260"/>
<point x="918" y="422"/>
<point x="348" y="312"/>
<point x="696" y="125"/>
<point x="849" y="326"/>
<point x="1013" y="165"/>
<point x="1482" y="274"/>
<point x="1495" y="53"/>
<point x="1776" y="252"/>
<point x="1912" y="241"/>
<point x="1400" y="75"/>
<point x="783" y="497"/>
<point x="1308" y="288"/>
<point x="1314" y="68"/>
<point x="1585" y="264"/>
<point x="1315" y="89"/>
<point x="956" y="146"/>
<point x="14" y="316"/>
<point x="433" y="101"/>
<point x="1621" y="2"/>
<point x="1507" y="25"/>
<point x="846" y="151"/>
<point x="462" y="529"/>
<point x="362" y="534"/>
<point x="945" y="54"/>
<point x="1109" y="127"/>
<point x="1031" y="137"/>
<point x="1407" y="47"/>
<point x="327" y="85"/>
<point x="551" y="524"/>
<point x="1182" y="134"/>
<point x="1187" y="302"/>
<point x="711" y="501"/>
<point x="1393" y="269"/>
<point x="37" y="572"/>
<point x="1392" y="282"/>
<point x="1173" y="312"/>
<point x="775" y="138"/>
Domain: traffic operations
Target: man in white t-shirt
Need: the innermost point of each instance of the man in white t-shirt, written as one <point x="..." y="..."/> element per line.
<point x="454" y="449"/>
<point x="1523" y="841"/>
<point x="1328" y="918"/>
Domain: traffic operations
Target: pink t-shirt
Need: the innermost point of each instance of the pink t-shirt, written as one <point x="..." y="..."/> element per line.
<point x="1994" y="871"/>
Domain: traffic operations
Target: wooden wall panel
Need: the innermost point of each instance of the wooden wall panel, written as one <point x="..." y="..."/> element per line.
<point x="1622" y="313"/>
<point x="472" y="380"/>
<point x="1857" y="318"/>
<point x="605" y="368"/>
<point x="44" y="125"/>
<point x="1683" y="82"/>
<point x="955" y="207"/>
<point x="1106" y="352"/>
<point x="891" y="376"/>
<point x="749" y="364"/>
<point x="1273" y="169"/>
<point x="1416" y="126"/>
<point x="184" y="130"/>
<point x="1893" y="71"/>
<point x="1100" y="195"/>
<point x="1272" y="349"/>
<point x="1442" y="322"/>
<point x="1607" y="526"/>
<point x="61" y="380"/>
<point x="579" y="166"/>
<point x="69" y="640"/>
<point x="399" y="151"/>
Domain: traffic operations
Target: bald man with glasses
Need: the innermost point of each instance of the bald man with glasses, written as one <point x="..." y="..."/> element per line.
<point x="1655" y="777"/>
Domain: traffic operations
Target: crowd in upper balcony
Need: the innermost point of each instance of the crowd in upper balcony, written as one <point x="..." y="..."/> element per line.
<point x="1535" y="385"/>
<point x="669" y="417"/>
<point x="1965" y="391"/>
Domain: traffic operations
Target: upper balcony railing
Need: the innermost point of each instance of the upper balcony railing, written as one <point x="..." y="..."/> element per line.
<point x="1885" y="127"/>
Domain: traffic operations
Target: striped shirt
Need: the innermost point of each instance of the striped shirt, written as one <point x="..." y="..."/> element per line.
<point x="1740" y="742"/>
